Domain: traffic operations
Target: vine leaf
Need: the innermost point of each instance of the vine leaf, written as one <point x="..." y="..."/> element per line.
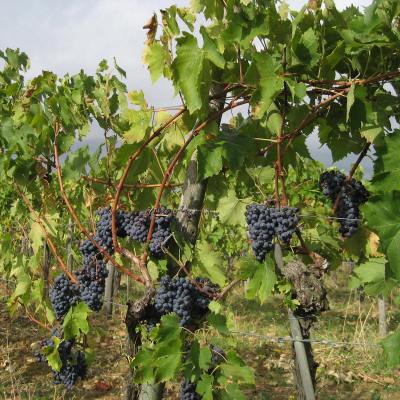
<point x="52" y="354"/>
<point x="36" y="236"/>
<point x="211" y="49"/>
<point x="391" y="345"/>
<point x="387" y="170"/>
<point x="233" y="392"/>
<point x="190" y="73"/>
<point x="76" y="321"/>
<point x="205" y="387"/>
<point x="160" y="359"/>
<point x="229" y="148"/>
<point x="156" y="57"/>
<point x="231" y="209"/>
<point x="383" y="218"/>
<point x="372" y="270"/>
<point x="209" y="262"/>
<point x="270" y="84"/>
<point x="350" y="100"/>
<point x="204" y="358"/>
<point x="219" y="322"/>
<point x="236" y="370"/>
<point x="75" y="164"/>
<point x="262" y="277"/>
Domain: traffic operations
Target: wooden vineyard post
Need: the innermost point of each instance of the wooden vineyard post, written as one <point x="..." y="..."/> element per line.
<point x="382" y="316"/>
<point x="303" y="373"/>
<point x="109" y="291"/>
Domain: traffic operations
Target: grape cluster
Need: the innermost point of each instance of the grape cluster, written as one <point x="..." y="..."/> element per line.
<point x="350" y="194"/>
<point x="264" y="223"/>
<point x="188" y="391"/>
<point x="91" y="280"/>
<point x="217" y="356"/>
<point x="180" y="296"/>
<point x="63" y="295"/>
<point x="162" y="232"/>
<point x="73" y="364"/>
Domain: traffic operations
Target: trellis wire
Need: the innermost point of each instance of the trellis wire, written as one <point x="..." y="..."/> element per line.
<point x="215" y="212"/>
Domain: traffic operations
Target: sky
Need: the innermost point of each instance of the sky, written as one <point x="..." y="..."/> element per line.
<point x="65" y="36"/>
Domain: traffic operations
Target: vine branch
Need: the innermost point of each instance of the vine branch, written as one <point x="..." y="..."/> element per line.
<point x="77" y="220"/>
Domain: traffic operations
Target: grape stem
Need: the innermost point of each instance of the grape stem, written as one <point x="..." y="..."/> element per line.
<point x="33" y="319"/>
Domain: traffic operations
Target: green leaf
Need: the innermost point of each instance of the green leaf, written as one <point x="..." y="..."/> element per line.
<point x="262" y="277"/>
<point x="350" y="100"/>
<point x="236" y="370"/>
<point x="210" y="263"/>
<point x="218" y="321"/>
<point x="233" y="392"/>
<point x="228" y="149"/>
<point x="75" y="164"/>
<point x="156" y="56"/>
<point x="210" y="161"/>
<point x="140" y="125"/>
<point x="264" y="175"/>
<point x="189" y="72"/>
<point x="205" y="387"/>
<point x="387" y="166"/>
<point x="205" y="358"/>
<point x="76" y="321"/>
<point x="372" y="270"/>
<point x="231" y="209"/>
<point x="52" y="355"/>
<point x="159" y="360"/>
<point x="270" y="84"/>
<point x="215" y="307"/>
<point x="211" y="50"/>
<point x="36" y="236"/>
<point x="23" y="285"/>
<point x="383" y="218"/>
<point x="274" y="119"/>
<point x="391" y="346"/>
<point x="136" y="97"/>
